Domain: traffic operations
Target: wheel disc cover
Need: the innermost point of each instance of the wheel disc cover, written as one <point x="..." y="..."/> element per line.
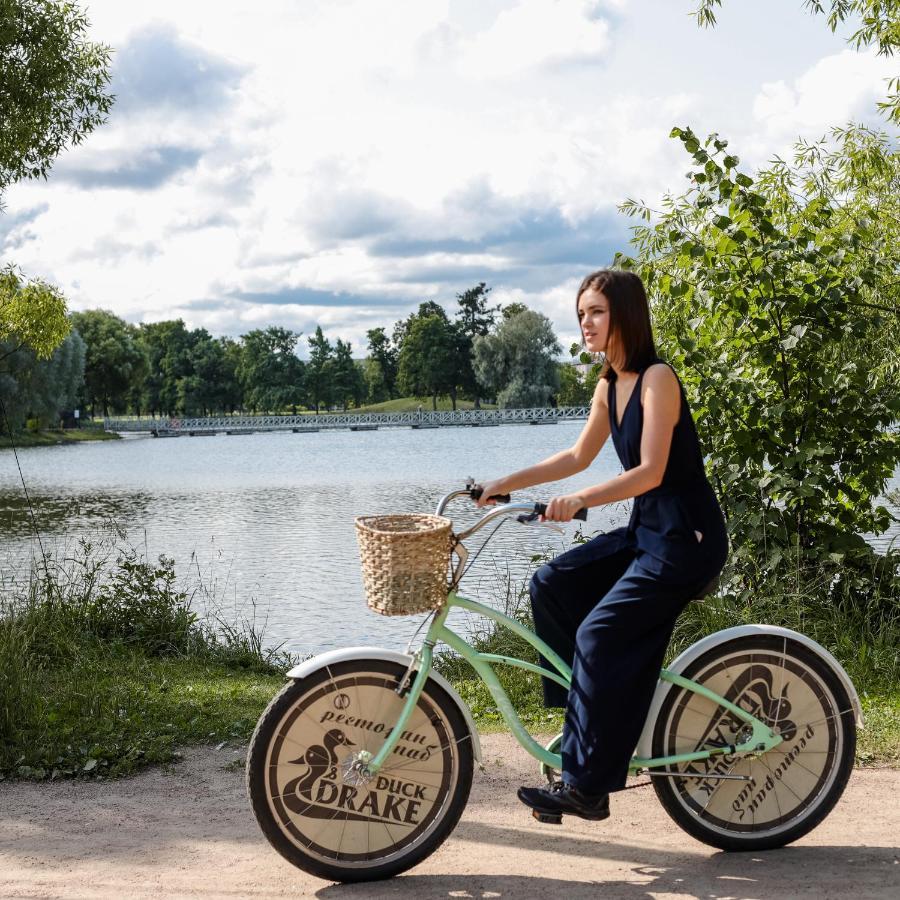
<point x="786" y="781"/>
<point x="356" y="825"/>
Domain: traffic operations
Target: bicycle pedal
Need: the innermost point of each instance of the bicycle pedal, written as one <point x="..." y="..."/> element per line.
<point x="547" y="818"/>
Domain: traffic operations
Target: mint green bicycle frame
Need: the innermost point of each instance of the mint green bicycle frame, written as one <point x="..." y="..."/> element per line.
<point x="760" y="740"/>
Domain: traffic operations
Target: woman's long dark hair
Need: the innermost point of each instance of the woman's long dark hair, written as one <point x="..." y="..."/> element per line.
<point x="629" y="316"/>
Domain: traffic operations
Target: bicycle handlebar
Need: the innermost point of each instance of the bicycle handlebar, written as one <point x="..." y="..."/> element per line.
<point x="581" y="515"/>
<point x="476" y="492"/>
<point x="528" y="512"/>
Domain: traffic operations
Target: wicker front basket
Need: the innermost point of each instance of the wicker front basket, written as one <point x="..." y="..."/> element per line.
<point x="404" y="562"/>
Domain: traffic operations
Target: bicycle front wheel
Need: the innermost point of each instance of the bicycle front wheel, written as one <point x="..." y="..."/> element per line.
<point x="780" y="795"/>
<point x="312" y="804"/>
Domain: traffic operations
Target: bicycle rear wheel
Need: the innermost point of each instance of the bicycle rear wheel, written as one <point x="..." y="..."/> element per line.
<point x="790" y="789"/>
<point x="312" y="805"/>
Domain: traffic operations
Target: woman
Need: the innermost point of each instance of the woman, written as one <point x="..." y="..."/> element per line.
<point x="609" y="606"/>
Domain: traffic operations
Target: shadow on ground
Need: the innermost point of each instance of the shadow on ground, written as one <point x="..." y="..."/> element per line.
<point x="794" y="872"/>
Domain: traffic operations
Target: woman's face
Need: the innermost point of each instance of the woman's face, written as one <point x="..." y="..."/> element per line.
<point x="593" y="316"/>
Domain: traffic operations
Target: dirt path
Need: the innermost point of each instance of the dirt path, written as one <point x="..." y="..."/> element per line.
<point x="190" y="833"/>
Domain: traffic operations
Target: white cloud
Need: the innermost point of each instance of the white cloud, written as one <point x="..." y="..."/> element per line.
<point x="838" y="88"/>
<point x="535" y="33"/>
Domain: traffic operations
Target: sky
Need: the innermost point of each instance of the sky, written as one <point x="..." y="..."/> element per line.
<point x="336" y="162"/>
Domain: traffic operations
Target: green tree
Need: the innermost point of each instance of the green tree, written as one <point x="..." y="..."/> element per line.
<point x="769" y="297"/>
<point x="348" y="384"/>
<point x="402" y="327"/>
<point x="232" y="395"/>
<point x="32" y="314"/>
<point x="373" y="377"/>
<point x="206" y="387"/>
<point x="474" y="315"/>
<point x="381" y="366"/>
<point x="40" y="389"/>
<point x="512" y="309"/>
<point x="427" y="364"/>
<point x="190" y="372"/>
<point x="474" y="318"/>
<point x="115" y="359"/>
<point x="319" y="370"/>
<point x="270" y="372"/>
<point x="573" y="387"/>
<point x="447" y="351"/>
<point x="878" y="24"/>
<point x="167" y="345"/>
<point x="518" y="361"/>
<point x="52" y="85"/>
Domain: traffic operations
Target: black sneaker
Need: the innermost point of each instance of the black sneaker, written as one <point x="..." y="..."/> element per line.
<point x="549" y="804"/>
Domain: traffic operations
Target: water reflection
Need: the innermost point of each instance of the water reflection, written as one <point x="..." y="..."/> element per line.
<point x="61" y="514"/>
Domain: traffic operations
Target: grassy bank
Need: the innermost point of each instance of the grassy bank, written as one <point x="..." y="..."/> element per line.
<point x="50" y="438"/>
<point x="106" y="667"/>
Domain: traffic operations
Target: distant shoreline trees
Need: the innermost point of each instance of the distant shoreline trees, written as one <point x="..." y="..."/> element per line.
<point x="164" y="369"/>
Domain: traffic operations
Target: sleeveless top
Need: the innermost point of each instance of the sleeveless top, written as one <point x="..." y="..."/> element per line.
<point x="664" y="519"/>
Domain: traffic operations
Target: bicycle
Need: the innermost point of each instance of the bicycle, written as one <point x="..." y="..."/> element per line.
<point x="361" y="766"/>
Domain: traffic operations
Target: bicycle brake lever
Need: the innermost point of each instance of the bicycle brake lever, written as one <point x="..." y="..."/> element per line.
<point x="532" y="518"/>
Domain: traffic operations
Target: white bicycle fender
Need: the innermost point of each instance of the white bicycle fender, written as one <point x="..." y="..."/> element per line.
<point x="335" y="656"/>
<point x="681" y="662"/>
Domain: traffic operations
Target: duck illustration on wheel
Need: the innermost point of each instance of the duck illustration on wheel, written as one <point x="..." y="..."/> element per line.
<point x="320" y="758"/>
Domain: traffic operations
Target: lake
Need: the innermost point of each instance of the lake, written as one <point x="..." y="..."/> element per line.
<point x="265" y="521"/>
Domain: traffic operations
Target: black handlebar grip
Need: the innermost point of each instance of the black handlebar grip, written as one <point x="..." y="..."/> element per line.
<point x="476" y="492"/>
<point x="581" y="515"/>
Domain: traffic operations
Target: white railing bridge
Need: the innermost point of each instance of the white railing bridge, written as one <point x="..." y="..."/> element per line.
<point x="173" y="427"/>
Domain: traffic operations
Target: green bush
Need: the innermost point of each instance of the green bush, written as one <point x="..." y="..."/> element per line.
<point x="103" y="663"/>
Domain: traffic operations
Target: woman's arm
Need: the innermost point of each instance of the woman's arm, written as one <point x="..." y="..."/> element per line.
<point x="662" y="407"/>
<point x="565" y="463"/>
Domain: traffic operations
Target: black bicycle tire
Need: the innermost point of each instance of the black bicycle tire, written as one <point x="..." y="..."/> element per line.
<point x="255" y="775"/>
<point x="744" y="841"/>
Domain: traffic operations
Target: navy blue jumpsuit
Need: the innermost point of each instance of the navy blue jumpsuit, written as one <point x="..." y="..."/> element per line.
<point x="609" y="606"/>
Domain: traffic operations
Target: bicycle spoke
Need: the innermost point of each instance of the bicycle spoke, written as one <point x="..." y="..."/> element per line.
<point x="286" y="735"/>
<point x="797" y="762"/>
<point x="824" y="719"/>
<point x="715" y="790"/>
<point x="340" y="842"/>
<point x="782" y="752"/>
<point x="405" y="767"/>
<point x="313" y="827"/>
<point x="777" y="802"/>
<point x="390" y="834"/>
<point x="365" y="740"/>
<point x="414" y="768"/>
<point x="381" y="696"/>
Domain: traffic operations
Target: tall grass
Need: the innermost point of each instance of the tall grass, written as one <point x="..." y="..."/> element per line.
<point x="90" y="645"/>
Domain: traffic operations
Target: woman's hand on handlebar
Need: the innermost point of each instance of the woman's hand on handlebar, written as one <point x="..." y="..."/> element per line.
<point x="489" y="490"/>
<point x="562" y="509"/>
